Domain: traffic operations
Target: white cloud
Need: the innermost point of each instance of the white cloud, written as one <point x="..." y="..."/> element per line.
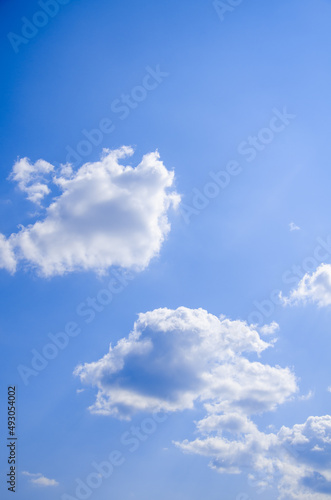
<point x="305" y="397"/>
<point x="39" y="480"/>
<point x="297" y="460"/>
<point x="7" y="257"/>
<point x="269" y="329"/>
<point x="317" y="448"/>
<point x="32" y="178"/>
<point x="107" y="214"/>
<point x="315" y="287"/>
<point x="175" y="358"/>
<point x="179" y="359"/>
<point x="294" y="227"/>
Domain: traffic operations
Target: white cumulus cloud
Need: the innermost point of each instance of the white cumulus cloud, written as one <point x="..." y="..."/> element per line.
<point x="314" y="288"/>
<point x="32" y="179"/>
<point x="39" y="480"/>
<point x="296" y="460"/>
<point x="175" y="358"/>
<point x="106" y="214"/>
<point x="185" y="358"/>
<point x="269" y="329"/>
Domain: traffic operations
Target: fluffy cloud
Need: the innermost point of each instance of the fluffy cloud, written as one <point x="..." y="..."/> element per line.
<point x="269" y="329"/>
<point x="7" y="257"/>
<point x="106" y="214"/>
<point x="175" y="358"/>
<point x="314" y="288"/>
<point x="32" y="179"/>
<point x="39" y="480"/>
<point x="297" y="460"/>
<point x="180" y="359"/>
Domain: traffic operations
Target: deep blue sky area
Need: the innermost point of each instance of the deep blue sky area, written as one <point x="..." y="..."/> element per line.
<point x="222" y="82"/>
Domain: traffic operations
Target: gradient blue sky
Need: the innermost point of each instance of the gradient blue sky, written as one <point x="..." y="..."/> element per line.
<point x="225" y="79"/>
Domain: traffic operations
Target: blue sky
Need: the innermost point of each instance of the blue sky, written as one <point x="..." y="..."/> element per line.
<point x="218" y="84"/>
